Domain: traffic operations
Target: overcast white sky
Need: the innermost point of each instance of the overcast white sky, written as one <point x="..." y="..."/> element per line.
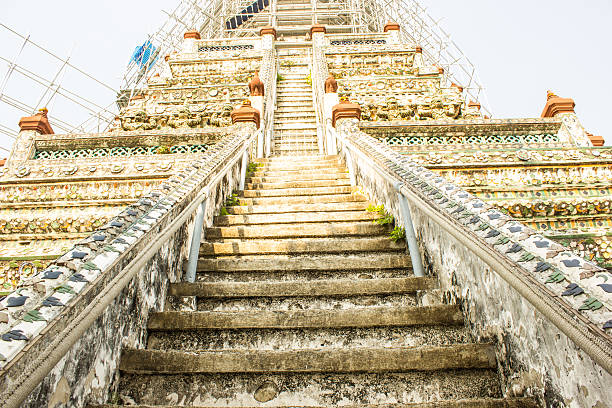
<point x="521" y="49"/>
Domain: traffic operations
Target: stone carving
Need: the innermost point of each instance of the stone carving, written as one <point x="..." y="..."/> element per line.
<point x="256" y="86"/>
<point x="331" y="85"/>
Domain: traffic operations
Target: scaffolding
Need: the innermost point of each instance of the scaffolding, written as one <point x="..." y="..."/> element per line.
<point x="418" y="27"/>
<point x="41" y="85"/>
<point x="210" y="18"/>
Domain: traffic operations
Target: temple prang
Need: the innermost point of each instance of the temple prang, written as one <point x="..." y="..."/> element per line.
<point x="304" y="206"/>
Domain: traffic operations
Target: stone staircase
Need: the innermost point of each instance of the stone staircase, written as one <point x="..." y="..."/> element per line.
<point x="295" y="130"/>
<point x="302" y="301"/>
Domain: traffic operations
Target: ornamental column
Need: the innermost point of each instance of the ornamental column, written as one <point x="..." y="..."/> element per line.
<point x="393" y="30"/>
<point x="317" y="33"/>
<point x="190" y="39"/>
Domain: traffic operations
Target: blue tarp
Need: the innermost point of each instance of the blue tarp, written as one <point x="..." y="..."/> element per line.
<point x="142" y="55"/>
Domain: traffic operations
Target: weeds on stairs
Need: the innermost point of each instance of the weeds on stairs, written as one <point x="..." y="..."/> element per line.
<point x="385" y="217"/>
<point x="398" y="233"/>
<point x="279" y="78"/>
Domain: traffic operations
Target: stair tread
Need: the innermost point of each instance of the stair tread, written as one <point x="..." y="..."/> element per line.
<point x="375" y="316"/>
<point x="323" y="287"/>
<point x="457" y="356"/>
<point x="267" y="263"/>
<point x="525" y="402"/>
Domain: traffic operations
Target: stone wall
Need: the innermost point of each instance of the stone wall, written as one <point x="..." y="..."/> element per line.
<point x="95" y="267"/>
<point x="535" y="356"/>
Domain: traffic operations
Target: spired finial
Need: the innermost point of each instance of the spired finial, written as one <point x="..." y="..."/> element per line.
<point x="556" y="105"/>
<point x="550" y="94"/>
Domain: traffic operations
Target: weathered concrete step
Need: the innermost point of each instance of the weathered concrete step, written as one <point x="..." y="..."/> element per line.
<point x="463" y="403"/>
<point x="306" y="159"/>
<point x="371" y="360"/>
<point x="291" y="339"/>
<point x="287" y="104"/>
<point x="295" y="126"/>
<point x="284" y="117"/>
<point x="307" y="199"/>
<point x="311" y="389"/>
<point x="298" y="110"/>
<point x="261" y="263"/>
<point x="293" y="208"/>
<point x="302" y="246"/>
<point x="271" y="304"/>
<point x="339" y="229"/>
<point x="323" y="287"/>
<point x="285" y="165"/>
<point x="302" y="124"/>
<point x="291" y="149"/>
<point x="286" y="174"/>
<point x="298" y="177"/>
<point x="294" y="152"/>
<point x="309" y="319"/>
<point x="296" y="140"/>
<point x="286" y="95"/>
<point x="339" y="181"/>
<point x="304" y="276"/>
<point x="284" y="192"/>
<point x="294" y="218"/>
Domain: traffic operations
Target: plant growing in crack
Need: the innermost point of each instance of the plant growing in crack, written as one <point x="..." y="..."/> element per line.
<point x="397" y="234"/>
<point x="385" y="217"/>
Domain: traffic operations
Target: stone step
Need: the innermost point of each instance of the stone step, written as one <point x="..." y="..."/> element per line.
<point x="292" y="134"/>
<point x="289" y="192"/>
<point x="292" y="339"/>
<point x="294" y="114"/>
<point x="292" y="104"/>
<point x="294" y="96"/>
<point x="295" y="125"/>
<point x="364" y="317"/>
<point x="313" y="230"/>
<point x="285" y="166"/>
<point x="323" y="287"/>
<point x="295" y="218"/>
<point x="302" y="246"/>
<point x="295" y="121"/>
<point x="282" y="90"/>
<point x="296" y="208"/>
<point x="341" y="181"/>
<point x="463" y="403"/>
<point x="264" y="263"/>
<point x="296" y="140"/>
<point x="359" y="360"/>
<point x="294" y="109"/>
<point x="365" y="390"/>
<point x="292" y="152"/>
<point x="306" y="159"/>
<point x="271" y="304"/>
<point x="297" y="177"/>
<point x="303" y="276"/>
<point x="279" y="174"/>
<point x="325" y="198"/>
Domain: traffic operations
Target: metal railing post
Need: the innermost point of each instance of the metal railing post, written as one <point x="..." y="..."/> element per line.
<point x="349" y="164"/>
<point x="196" y="238"/>
<point x="411" y="240"/>
<point x="243" y="166"/>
